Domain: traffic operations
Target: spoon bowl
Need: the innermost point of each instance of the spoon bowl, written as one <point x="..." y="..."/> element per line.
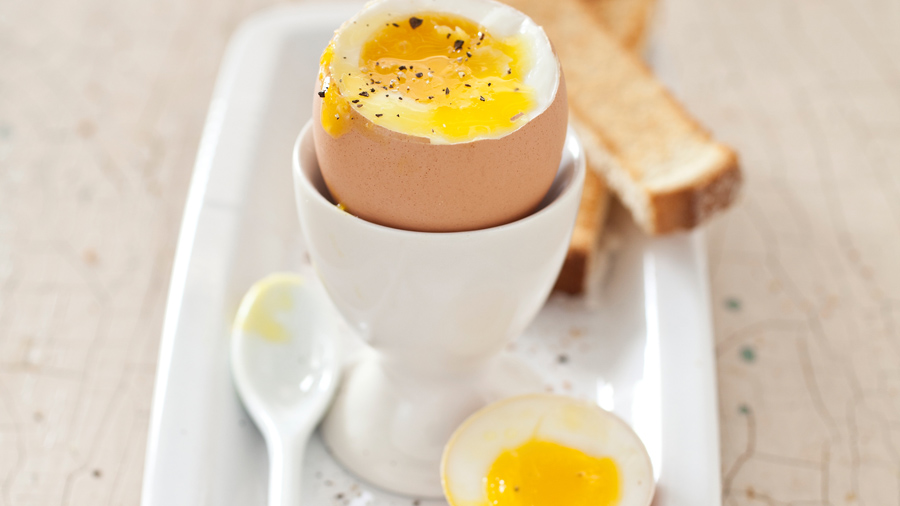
<point x="285" y="367"/>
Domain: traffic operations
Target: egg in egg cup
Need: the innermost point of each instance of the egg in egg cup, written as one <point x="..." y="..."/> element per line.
<point x="437" y="186"/>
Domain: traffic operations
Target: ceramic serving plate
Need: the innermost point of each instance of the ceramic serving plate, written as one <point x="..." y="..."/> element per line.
<point x="641" y="346"/>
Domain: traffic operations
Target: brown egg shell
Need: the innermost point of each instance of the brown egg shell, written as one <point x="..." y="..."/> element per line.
<point x="406" y="182"/>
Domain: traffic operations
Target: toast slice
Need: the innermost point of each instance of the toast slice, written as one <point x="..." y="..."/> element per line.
<point x="589" y="225"/>
<point x="629" y="22"/>
<point x="665" y="168"/>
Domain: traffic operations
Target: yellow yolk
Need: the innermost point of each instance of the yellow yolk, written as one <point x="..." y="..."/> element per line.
<point x="334" y="107"/>
<point x="272" y="297"/>
<point x="434" y="75"/>
<point x="542" y="473"/>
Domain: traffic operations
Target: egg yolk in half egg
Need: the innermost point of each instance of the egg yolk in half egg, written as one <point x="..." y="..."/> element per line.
<point x="432" y="75"/>
<point x="546" y="450"/>
<point x="544" y="473"/>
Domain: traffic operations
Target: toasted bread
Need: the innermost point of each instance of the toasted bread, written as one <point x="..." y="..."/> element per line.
<point x="628" y="21"/>
<point x="589" y="226"/>
<point x="665" y="168"/>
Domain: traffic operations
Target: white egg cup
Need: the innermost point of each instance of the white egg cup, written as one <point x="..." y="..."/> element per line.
<point x="436" y="310"/>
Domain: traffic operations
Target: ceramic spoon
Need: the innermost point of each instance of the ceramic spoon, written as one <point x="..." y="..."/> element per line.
<point x="285" y="367"/>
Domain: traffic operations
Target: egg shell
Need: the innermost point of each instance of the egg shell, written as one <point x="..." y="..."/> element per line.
<point x="570" y="422"/>
<point x="407" y="182"/>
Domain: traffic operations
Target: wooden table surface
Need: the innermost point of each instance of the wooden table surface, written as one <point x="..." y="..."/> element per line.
<point x="101" y="109"/>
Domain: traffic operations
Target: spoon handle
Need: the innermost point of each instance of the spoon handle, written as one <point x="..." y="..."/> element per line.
<point x="285" y="471"/>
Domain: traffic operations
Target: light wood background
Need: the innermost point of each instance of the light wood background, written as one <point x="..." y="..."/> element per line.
<point x="101" y="107"/>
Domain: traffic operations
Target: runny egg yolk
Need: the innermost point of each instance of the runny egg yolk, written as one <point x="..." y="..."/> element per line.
<point x="434" y="75"/>
<point x="543" y="473"/>
<point x="335" y="109"/>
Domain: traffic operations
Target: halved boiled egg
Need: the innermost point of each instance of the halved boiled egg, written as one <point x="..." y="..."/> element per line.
<point x="439" y="116"/>
<point x="546" y="450"/>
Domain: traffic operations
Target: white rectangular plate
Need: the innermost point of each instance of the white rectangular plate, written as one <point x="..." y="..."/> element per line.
<point x="642" y="348"/>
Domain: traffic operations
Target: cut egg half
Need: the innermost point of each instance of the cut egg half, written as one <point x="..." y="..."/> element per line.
<point x="439" y="116"/>
<point x="546" y="450"/>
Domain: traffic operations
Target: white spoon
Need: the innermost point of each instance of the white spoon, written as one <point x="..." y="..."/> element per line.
<point x="285" y="367"/>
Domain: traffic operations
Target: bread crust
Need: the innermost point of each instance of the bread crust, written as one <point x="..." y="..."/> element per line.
<point x="589" y="223"/>
<point x="685" y="208"/>
<point x="573" y="276"/>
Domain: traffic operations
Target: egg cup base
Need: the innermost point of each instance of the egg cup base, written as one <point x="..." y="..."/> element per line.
<point x="390" y="431"/>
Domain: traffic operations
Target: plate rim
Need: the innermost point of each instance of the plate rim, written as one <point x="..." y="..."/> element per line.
<point x="264" y="23"/>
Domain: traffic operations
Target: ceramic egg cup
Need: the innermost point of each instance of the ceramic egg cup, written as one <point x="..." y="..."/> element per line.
<point x="436" y="310"/>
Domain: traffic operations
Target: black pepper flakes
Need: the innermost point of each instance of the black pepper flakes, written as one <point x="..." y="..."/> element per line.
<point x="509" y="71"/>
<point x="481" y="98"/>
<point x="396" y="25"/>
<point x="402" y="67"/>
<point x="458" y="45"/>
<point x="364" y="93"/>
<point x="430" y="97"/>
<point x="469" y="54"/>
<point x="379" y="115"/>
<point x="322" y="93"/>
<point x="355" y="100"/>
<point x="415" y="22"/>
<point x="419" y="74"/>
<point x="467" y="85"/>
<point x="372" y="90"/>
<point x="446" y="91"/>
<point x="480" y="36"/>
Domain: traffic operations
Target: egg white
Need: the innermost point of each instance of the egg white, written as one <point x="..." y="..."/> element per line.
<point x="508" y="424"/>
<point x="499" y="19"/>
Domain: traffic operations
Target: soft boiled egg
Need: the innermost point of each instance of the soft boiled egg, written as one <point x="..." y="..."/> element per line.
<point x="439" y="116"/>
<point x="546" y="450"/>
